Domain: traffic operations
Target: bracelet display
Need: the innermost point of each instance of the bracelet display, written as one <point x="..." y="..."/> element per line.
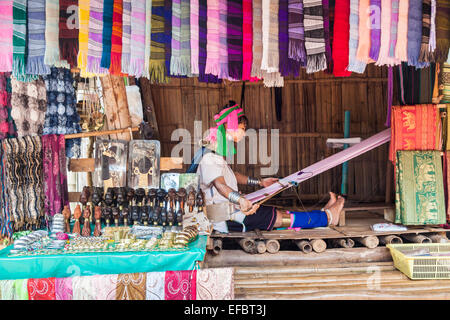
<point x="234" y="197"/>
<point x="253" y="181"/>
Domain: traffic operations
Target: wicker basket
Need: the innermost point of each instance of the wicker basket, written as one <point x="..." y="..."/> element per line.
<point x="421" y="267"/>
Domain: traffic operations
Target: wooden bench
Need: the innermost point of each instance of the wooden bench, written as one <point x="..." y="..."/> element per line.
<point x="387" y="209"/>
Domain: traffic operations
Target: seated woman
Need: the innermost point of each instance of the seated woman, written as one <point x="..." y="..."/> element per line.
<point x="220" y="184"/>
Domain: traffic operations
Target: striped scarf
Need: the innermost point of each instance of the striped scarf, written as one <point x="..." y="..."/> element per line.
<point x="223" y="41"/>
<point x="148" y="38"/>
<point x="168" y="33"/>
<point x="386" y="34"/>
<point x="202" y="36"/>
<point x="426" y="22"/>
<point x="83" y="35"/>
<point x="126" y="36"/>
<point x="432" y="44"/>
<point x="68" y="31"/>
<point x="214" y="50"/>
<point x="157" y="63"/>
<point x="287" y="65"/>
<point x="6" y="30"/>
<point x="95" y="43"/>
<point x="247" y="39"/>
<point x="235" y="36"/>
<point x="185" y="43"/>
<point x="354" y="64"/>
<point x="270" y="58"/>
<point x="442" y="30"/>
<point x="51" y="56"/>
<point x="401" y="48"/>
<point x="108" y="8"/>
<point x="36" y="38"/>
<point x="180" y="60"/>
<point x="296" y="32"/>
<point x="194" y="37"/>
<point x="340" y="38"/>
<point x="314" y="36"/>
<point x="362" y="53"/>
<point x="116" y="39"/>
<point x="326" y="33"/>
<point x="394" y="28"/>
<point x="19" y="40"/>
<point x="414" y="32"/>
<point x="257" y="45"/>
<point x="375" y="29"/>
<point x="137" y="42"/>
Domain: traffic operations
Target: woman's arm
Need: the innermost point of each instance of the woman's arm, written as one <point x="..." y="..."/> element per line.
<point x="243" y="179"/>
<point x="245" y="205"/>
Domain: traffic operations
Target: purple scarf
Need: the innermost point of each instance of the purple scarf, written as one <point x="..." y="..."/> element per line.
<point x="326" y="30"/>
<point x="202" y="18"/>
<point x="234" y="37"/>
<point x="287" y="66"/>
<point x="296" y="32"/>
<point x="375" y="31"/>
<point x="168" y="33"/>
<point x="414" y="33"/>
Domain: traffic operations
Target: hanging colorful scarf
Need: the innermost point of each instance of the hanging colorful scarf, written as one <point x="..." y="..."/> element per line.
<point x="314" y="36"/>
<point x="362" y="53"/>
<point x="41" y="289"/>
<point x="445" y="84"/>
<point x="131" y="286"/>
<point x="215" y="284"/>
<point x="223" y="41"/>
<point x="257" y="46"/>
<point x="194" y="37"/>
<point x="414" y="32"/>
<point x="157" y="63"/>
<point x="426" y="23"/>
<point x="394" y="28"/>
<point x="419" y="188"/>
<point x="36" y="38"/>
<point x="116" y="39"/>
<point x="83" y="35"/>
<point x="432" y="44"/>
<point x="442" y="30"/>
<point x="217" y="135"/>
<point x="68" y="31"/>
<point x="137" y="43"/>
<point x="21" y="289"/>
<point x="19" y="38"/>
<point x="296" y="32"/>
<point x="234" y="38"/>
<point x="386" y="34"/>
<point x="55" y="175"/>
<point x="326" y="32"/>
<point x="401" y="48"/>
<point x="95" y="44"/>
<point x="6" y="30"/>
<point x="126" y="36"/>
<point x="202" y="36"/>
<point x="185" y="43"/>
<point x="155" y="285"/>
<point x="213" y="48"/>
<point x="180" y="285"/>
<point x="287" y="66"/>
<point x="97" y="287"/>
<point x="341" y="38"/>
<point x="375" y="29"/>
<point x="180" y="59"/>
<point x="51" y="56"/>
<point x="247" y="39"/>
<point x="354" y="64"/>
<point x="108" y="8"/>
<point x="7" y="215"/>
<point x="7" y="128"/>
<point x="148" y="38"/>
<point x="63" y="289"/>
<point x="7" y="289"/>
<point x="168" y="33"/>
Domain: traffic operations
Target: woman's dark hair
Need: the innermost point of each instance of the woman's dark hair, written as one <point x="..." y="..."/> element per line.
<point x="242" y="119"/>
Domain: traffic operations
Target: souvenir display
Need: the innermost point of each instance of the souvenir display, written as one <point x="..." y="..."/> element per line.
<point x="110" y="164"/>
<point x="143" y="164"/>
<point x="190" y="180"/>
<point x="170" y="180"/>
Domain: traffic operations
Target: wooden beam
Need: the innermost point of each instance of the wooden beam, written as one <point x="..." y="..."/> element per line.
<point x="88" y="164"/>
<point x="100" y="133"/>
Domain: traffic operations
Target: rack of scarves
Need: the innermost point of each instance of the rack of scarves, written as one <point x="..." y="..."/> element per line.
<point x="220" y="39"/>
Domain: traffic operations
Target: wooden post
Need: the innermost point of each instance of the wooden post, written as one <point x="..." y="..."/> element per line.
<point x="369" y="241"/>
<point x="273" y="246"/>
<point x="391" y="239"/>
<point x="248" y="245"/>
<point x="318" y="245"/>
<point x="261" y="246"/>
<point x="304" y="246"/>
<point x="343" y="243"/>
<point x="149" y="106"/>
<point x="416" y="238"/>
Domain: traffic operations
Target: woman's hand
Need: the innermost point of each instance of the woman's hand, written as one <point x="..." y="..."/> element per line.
<point x="247" y="207"/>
<point x="268" y="181"/>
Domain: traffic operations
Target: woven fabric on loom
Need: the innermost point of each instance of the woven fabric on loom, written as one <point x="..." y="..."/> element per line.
<point x="51" y="56"/>
<point x="419" y="194"/>
<point x="314" y="36"/>
<point x="36" y="38"/>
<point x="116" y="39"/>
<point x="68" y="31"/>
<point x="126" y="36"/>
<point x="234" y="38"/>
<point x="157" y="52"/>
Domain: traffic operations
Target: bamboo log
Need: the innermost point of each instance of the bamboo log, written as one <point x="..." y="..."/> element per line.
<point x="261" y="247"/>
<point x="273" y="246"/>
<point x="437" y="238"/>
<point x="369" y="241"/>
<point x="248" y="245"/>
<point x="343" y="243"/>
<point x="304" y="246"/>
<point x="217" y="246"/>
<point x="318" y="245"/>
<point x="391" y="239"/>
<point x="416" y="238"/>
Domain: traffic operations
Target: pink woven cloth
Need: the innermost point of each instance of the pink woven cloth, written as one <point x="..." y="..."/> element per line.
<point x="401" y="49"/>
<point x="383" y="58"/>
<point x="247" y="29"/>
<point x="194" y="36"/>
<point x="6" y="31"/>
<point x="212" y="38"/>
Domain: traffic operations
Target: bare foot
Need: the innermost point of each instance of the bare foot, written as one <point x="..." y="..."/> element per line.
<point x="336" y="209"/>
<point x="331" y="201"/>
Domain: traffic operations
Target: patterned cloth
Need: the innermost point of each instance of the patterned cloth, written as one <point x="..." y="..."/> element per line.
<point x="257" y="46"/>
<point x="19" y="40"/>
<point x="426" y="24"/>
<point x="108" y="9"/>
<point x="234" y="38"/>
<point x="202" y="29"/>
<point x="168" y="32"/>
<point x="36" y="38"/>
<point x="442" y="30"/>
<point x="116" y="39"/>
<point x="131" y="286"/>
<point x="157" y="64"/>
<point x="41" y="289"/>
<point x="375" y="30"/>
<point x="68" y="32"/>
<point x="126" y="36"/>
<point x="148" y="38"/>
<point x="155" y="286"/>
<point x="389" y="11"/>
<point x="341" y="38"/>
<point x="314" y="36"/>
<point x="180" y="60"/>
<point x="83" y="35"/>
<point x="6" y="30"/>
<point x="223" y="40"/>
<point x="296" y="32"/>
<point x="137" y="42"/>
<point x="214" y="46"/>
<point x="7" y="127"/>
<point x="215" y="284"/>
<point x="414" y="33"/>
<point x="354" y="64"/>
<point x="287" y="65"/>
<point x="194" y="36"/>
<point x="247" y="39"/>
<point x="180" y="285"/>
<point x="63" y="289"/>
<point x="95" y="44"/>
<point x="51" y="56"/>
<point x="419" y="194"/>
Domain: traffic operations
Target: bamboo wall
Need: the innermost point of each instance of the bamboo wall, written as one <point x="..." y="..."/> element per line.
<point x="312" y="110"/>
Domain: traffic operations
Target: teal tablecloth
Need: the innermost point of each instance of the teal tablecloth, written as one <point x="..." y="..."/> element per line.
<point x="88" y="264"/>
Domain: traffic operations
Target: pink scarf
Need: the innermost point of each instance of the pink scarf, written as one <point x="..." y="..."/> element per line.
<point x="212" y="38"/>
<point x="401" y="49"/>
<point x="383" y="58"/>
<point x="247" y="39"/>
<point x="362" y="53"/>
<point x="6" y="31"/>
<point x="194" y="37"/>
<point x="223" y="41"/>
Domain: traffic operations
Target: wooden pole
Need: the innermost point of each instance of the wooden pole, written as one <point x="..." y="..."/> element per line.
<point x="318" y="245"/>
<point x="304" y="246"/>
<point x="391" y="239"/>
<point x="343" y="243"/>
<point x="369" y="241"/>
<point x="416" y="238"/>
<point x="100" y="133"/>
<point x="273" y="246"/>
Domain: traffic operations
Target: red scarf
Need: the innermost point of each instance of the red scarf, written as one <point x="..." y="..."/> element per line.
<point x="68" y="32"/>
<point x="116" y="39"/>
<point x="180" y="285"/>
<point x="247" y="44"/>
<point x="341" y="38"/>
<point x="41" y="289"/>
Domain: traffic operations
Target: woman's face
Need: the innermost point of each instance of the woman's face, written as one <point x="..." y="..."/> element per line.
<point x="239" y="134"/>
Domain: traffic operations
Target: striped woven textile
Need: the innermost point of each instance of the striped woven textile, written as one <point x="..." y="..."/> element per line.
<point x="168" y="33"/>
<point x="194" y="36"/>
<point x="394" y="29"/>
<point x="314" y="36"/>
<point x="247" y="39"/>
<point x="287" y="65"/>
<point x="116" y="39"/>
<point x="432" y="44"/>
<point x="180" y="60"/>
<point x="126" y="36"/>
<point x="442" y="30"/>
<point x="257" y="46"/>
<point x="223" y="40"/>
<point x="387" y="33"/>
<point x="51" y="56"/>
<point x="68" y="31"/>
<point x="327" y="16"/>
<point x="83" y="35"/>
<point x="354" y="64"/>
<point x="401" y="47"/>
<point x="19" y="39"/>
<point x="95" y="44"/>
<point x="108" y="9"/>
<point x="202" y="34"/>
<point x="214" y="46"/>
<point x="185" y="43"/>
<point x="36" y="38"/>
<point x="414" y="33"/>
<point x="426" y="24"/>
<point x="235" y="38"/>
<point x="6" y="30"/>
<point x="362" y="53"/>
<point x="157" y="63"/>
<point x="148" y="38"/>
<point x="296" y="32"/>
<point x="137" y="42"/>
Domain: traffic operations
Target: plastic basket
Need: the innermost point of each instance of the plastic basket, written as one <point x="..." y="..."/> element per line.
<point x="421" y="267"/>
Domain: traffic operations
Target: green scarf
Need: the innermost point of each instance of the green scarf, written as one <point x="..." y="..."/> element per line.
<point x="224" y="147"/>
